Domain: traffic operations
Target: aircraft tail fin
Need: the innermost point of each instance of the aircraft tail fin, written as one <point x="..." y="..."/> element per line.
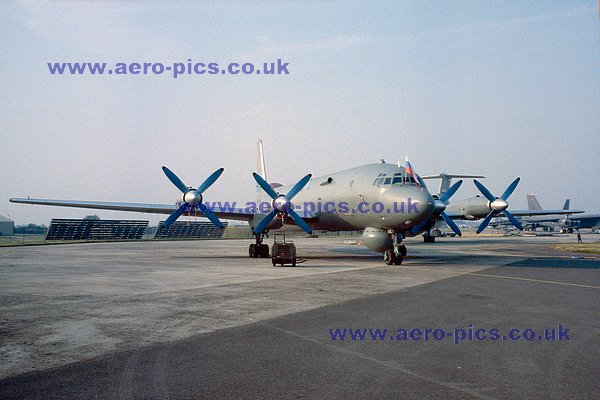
<point x="532" y="202"/>
<point x="567" y="204"/>
<point x="261" y="169"/>
<point x="446" y="180"/>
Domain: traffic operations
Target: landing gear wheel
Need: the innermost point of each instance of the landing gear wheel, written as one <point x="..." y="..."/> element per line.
<point x="259" y="249"/>
<point x="403" y="251"/>
<point x="264" y="250"/>
<point x="253" y="251"/>
<point x="389" y="257"/>
<point x="428" y="239"/>
<point x="398" y="259"/>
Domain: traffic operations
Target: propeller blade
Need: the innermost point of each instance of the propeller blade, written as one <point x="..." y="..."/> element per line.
<point x="484" y="190"/>
<point x="451" y="224"/>
<point x="210" y="180"/>
<point x="174" y="215"/>
<point x="264" y="222"/>
<point x="299" y="221"/>
<point x="265" y="186"/>
<point x="511" y="188"/>
<point x="175" y="179"/>
<point x="298" y="187"/>
<point x="486" y="221"/>
<point x="450" y="192"/>
<point x="512" y="219"/>
<point x="210" y="215"/>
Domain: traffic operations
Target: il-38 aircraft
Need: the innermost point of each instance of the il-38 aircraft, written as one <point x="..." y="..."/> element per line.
<point x="388" y="202"/>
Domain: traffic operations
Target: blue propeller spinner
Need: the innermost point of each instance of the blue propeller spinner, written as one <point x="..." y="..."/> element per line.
<point x="498" y="204"/>
<point x="192" y="198"/>
<point x="282" y="204"/>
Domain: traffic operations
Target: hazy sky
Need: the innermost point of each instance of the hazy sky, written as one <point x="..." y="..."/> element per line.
<point x="499" y="88"/>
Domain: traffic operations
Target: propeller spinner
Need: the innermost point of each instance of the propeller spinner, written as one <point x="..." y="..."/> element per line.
<point x="282" y="204"/>
<point x="498" y="204"/>
<point x="192" y="198"/>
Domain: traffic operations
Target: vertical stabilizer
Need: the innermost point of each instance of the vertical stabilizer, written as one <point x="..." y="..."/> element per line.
<point x="532" y="202"/>
<point x="262" y="170"/>
<point x="446" y="180"/>
<point x="567" y="204"/>
<point x="445" y="183"/>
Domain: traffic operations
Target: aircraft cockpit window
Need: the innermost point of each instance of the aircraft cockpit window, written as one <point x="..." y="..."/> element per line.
<point x="397" y="180"/>
<point x="382" y="180"/>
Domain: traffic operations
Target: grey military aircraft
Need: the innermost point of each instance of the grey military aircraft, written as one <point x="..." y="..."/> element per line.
<point x="565" y="222"/>
<point x="388" y="202"/>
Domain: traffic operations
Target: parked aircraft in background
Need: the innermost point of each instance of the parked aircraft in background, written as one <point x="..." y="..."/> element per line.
<point x="566" y="222"/>
<point x="546" y="222"/>
<point x="388" y="202"/>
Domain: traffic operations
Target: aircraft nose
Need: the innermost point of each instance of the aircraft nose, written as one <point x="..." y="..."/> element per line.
<point x="412" y="206"/>
<point x="426" y="203"/>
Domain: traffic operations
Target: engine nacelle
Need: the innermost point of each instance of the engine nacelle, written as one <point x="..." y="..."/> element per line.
<point x="378" y="240"/>
<point x="566" y="222"/>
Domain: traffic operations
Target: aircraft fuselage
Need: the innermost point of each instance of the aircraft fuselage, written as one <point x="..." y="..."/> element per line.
<point x="374" y="195"/>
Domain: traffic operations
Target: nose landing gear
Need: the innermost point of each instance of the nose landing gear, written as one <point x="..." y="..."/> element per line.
<point x="396" y="254"/>
<point x="259" y="249"/>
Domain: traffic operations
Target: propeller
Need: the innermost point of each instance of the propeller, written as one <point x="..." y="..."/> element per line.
<point x="282" y="204"/>
<point x="498" y="205"/>
<point x="192" y="198"/>
<point x="439" y="209"/>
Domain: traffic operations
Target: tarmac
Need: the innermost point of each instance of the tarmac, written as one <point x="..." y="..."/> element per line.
<point x="199" y="319"/>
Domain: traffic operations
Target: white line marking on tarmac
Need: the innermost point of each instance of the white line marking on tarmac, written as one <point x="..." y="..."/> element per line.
<point x="537" y="280"/>
<point x="386" y="364"/>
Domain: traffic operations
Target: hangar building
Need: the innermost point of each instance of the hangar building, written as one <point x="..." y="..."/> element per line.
<point x="7" y="226"/>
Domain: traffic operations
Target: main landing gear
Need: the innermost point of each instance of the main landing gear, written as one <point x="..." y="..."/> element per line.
<point x="427" y="238"/>
<point x="259" y="249"/>
<point x="396" y="254"/>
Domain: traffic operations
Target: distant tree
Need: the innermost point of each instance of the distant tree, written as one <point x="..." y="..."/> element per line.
<point x="30" y="229"/>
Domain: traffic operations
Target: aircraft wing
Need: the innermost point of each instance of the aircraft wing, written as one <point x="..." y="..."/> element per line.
<point x="518" y="213"/>
<point x="222" y="212"/>
<point x="531" y="213"/>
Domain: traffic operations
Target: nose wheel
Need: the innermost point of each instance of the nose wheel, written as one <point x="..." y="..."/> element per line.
<point x="396" y="254"/>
